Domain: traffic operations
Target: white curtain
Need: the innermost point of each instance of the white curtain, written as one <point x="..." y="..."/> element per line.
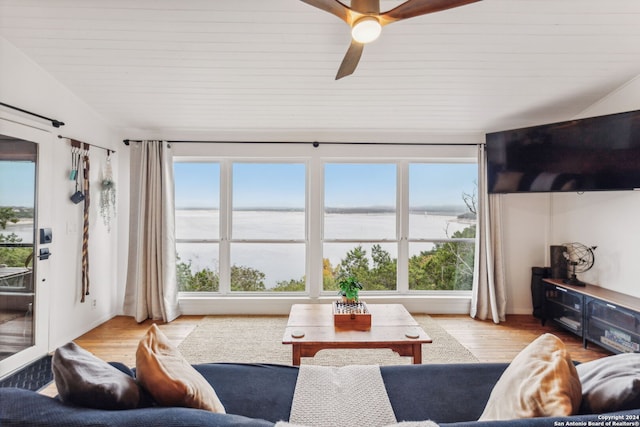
<point x="151" y="276"/>
<point x="489" y="294"/>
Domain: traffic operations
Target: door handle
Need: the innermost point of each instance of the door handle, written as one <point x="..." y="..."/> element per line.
<point x="44" y="254"/>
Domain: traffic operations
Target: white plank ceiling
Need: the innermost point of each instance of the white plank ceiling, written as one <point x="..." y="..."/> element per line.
<point x="176" y="67"/>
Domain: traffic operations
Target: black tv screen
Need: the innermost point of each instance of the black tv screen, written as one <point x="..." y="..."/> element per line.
<point x="593" y="154"/>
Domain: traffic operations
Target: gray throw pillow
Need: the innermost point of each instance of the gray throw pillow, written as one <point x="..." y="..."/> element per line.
<point x="85" y="380"/>
<point x="610" y="384"/>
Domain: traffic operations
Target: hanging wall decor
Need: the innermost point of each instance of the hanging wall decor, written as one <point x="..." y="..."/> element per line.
<point x="76" y="158"/>
<point x="85" y="225"/>
<point x="108" y="194"/>
<point x="80" y="174"/>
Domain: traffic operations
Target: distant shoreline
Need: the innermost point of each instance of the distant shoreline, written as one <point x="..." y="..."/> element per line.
<point x="21" y="221"/>
<point x="444" y="211"/>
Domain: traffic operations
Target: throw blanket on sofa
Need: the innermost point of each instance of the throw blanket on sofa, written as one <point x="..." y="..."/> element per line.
<point x="347" y="396"/>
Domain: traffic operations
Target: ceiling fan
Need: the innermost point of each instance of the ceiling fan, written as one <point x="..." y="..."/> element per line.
<point x="366" y="21"/>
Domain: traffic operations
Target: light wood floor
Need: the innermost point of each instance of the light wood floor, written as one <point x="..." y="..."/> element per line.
<point x="117" y="339"/>
<point x="501" y="343"/>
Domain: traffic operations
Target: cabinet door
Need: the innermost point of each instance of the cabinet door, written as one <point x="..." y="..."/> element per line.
<point x="564" y="307"/>
<point x="613" y="327"/>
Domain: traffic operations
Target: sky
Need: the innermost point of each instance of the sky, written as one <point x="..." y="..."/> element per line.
<point x="283" y="185"/>
<point x="441" y="184"/>
<point x="346" y="184"/>
<point x="197" y="185"/>
<point x="17" y="183"/>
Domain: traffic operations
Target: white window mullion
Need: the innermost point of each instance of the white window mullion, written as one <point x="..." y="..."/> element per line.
<point x="315" y="210"/>
<point x="403" y="227"/>
<point x="225" y="226"/>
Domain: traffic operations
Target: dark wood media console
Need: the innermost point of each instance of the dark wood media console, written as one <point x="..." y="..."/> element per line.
<point x="601" y="316"/>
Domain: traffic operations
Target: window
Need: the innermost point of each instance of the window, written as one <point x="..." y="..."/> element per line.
<point x="268" y="227"/>
<point x="360" y="225"/>
<point x="442" y="225"/>
<point x="281" y="220"/>
<point x="197" y="210"/>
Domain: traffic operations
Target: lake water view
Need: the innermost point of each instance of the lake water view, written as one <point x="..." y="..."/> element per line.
<point x="23" y="229"/>
<point x="286" y="260"/>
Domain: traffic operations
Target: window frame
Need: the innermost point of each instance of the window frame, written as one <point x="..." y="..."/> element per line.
<point x="315" y="158"/>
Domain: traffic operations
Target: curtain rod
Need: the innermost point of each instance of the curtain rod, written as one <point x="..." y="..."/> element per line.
<point x="108" y="150"/>
<point x="55" y="123"/>
<point x="314" y="143"/>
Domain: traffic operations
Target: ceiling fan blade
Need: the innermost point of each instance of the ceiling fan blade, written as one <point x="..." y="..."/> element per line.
<point x="412" y="8"/>
<point x="351" y="59"/>
<point x="334" y="7"/>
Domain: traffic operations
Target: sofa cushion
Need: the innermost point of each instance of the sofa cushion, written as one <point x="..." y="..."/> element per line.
<point x="85" y="380"/>
<point x="541" y="381"/>
<point x="169" y="378"/>
<point x="253" y="390"/>
<point x="610" y="383"/>
<point x="433" y="391"/>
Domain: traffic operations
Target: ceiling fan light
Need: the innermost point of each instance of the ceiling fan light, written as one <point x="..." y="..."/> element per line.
<point x="366" y="29"/>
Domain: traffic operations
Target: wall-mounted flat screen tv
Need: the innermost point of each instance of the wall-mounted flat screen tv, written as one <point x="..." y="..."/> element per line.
<point x="594" y="154"/>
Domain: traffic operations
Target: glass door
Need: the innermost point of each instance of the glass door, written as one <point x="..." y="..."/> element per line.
<point x="24" y="311"/>
<point x="17" y="220"/>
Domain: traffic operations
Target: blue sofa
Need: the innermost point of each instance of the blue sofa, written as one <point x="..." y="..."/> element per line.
<point x="261" y="395"/>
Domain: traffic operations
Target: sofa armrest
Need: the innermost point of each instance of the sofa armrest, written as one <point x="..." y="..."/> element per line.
<point x="24" y="408"/>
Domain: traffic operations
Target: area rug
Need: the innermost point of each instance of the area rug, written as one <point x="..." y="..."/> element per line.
<point x="34" y="376"/>
<point x="258" y="339"/>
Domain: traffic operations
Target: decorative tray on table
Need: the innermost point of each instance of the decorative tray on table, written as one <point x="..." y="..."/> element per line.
<point x="347" y="315"/>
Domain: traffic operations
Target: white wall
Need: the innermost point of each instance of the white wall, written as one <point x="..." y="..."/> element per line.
<point x="525" y="229"/>
<point x="533" y="222"/>
<point x="608" y="219"/>
<point x="25" y="85"/>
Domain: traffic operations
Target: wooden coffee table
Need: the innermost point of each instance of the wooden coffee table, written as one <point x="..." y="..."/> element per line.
<point x="391" y="327"/>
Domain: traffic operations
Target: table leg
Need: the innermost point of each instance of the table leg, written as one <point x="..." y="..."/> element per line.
<point x="296" y="354"/>
<point x="417" y="354"/>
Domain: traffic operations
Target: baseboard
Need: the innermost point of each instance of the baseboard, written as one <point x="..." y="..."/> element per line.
<point x="429" y="304"/>
<point x="72" y="336"/>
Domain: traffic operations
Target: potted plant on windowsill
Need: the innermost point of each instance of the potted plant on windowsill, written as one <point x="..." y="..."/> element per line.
<point x="349" y="288"/>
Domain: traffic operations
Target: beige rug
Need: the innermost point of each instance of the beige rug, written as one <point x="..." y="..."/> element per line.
<point x="258" y="339"/>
